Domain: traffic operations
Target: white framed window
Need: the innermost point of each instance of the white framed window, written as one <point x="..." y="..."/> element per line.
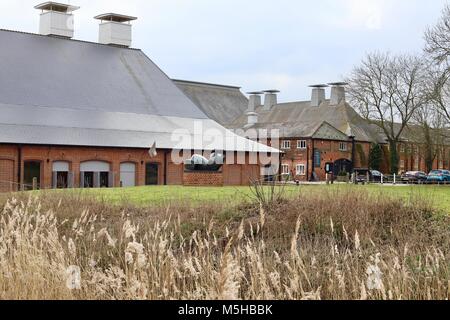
<point x="285" y="144"/>
<point x="343" y="146"/>
<point x="402" y="164"/>
<point x="402" y="148"/>
<point x="301" y="170"/>
<point x="285" y="169"/>
<point x="301" y="144"/>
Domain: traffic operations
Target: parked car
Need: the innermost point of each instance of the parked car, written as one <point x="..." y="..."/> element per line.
<point x="361" y="175"/>
<point x="414" y="177"/>
<point x="375" y="175"/>
<point x="439" y="176"/>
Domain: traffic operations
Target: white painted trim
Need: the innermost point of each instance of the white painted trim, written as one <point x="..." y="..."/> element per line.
<point x="95" y="166"/>
<point x="61" y="166"/>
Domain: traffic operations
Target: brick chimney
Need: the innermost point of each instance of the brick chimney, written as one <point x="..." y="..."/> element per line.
<point x="56" y="19"/>
<point x="115" y="29"/>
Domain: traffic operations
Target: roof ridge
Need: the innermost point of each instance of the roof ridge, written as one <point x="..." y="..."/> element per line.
<point x="68" y="39"/>
<point x="97" y="111"/>
<point x="328" y="124"/>
<point x="206" y="84"/>
<point x="369" y="132"/>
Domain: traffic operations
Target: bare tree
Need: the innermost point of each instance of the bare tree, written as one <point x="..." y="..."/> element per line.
<point x="431" y="133"/>
<point x="438" y="91"/>
<point x="438" y="39"/>
<point x="433" y="117"/>
<point x="438" y="50"/>
<point x="388" y="90"/>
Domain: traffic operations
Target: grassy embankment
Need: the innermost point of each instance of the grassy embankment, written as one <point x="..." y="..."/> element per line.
<point x="315" y="242"/>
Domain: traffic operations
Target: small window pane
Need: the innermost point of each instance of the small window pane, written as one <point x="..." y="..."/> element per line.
<point x="286" y="144"/>
<point x="301" y="170"/>
<point x="301" y="144"/>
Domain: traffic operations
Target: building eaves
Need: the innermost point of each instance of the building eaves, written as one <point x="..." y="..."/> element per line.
<point x="69" y="39"/>
<point x="205" y="84"/>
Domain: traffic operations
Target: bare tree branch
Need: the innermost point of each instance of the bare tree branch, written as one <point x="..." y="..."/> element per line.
<point x="388" y="90"/>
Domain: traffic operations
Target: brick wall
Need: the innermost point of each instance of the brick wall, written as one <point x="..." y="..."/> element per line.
<point x="7" y="175"/>
<point x="250" y="174"/>
<point x="46" y="155"/>
<point x="174" y="174"/>
<point x="412" y="158"/>
<point x="77" y="155"/>
<point x="8" y="168"/>
<point x="233" y="175"/>
<point x="329" y="153"/>
<point x="191" y="179"/>
<point x="295" y="156"/>
<point x="362" y="153"/>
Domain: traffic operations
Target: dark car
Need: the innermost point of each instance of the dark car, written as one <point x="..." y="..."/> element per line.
<point x="414" y="177"/>
<point x="375" y="176"/>
<point x="362" y="174"/>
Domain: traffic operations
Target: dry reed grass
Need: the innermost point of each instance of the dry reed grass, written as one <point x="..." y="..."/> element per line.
<point x="337" y="245"/>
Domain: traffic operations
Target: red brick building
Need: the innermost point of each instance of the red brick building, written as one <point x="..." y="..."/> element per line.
<point x="413" y="155"/>
<point x="82" y="114"/>
<point x="62" y="167"/>
<point x="312" y="134"/>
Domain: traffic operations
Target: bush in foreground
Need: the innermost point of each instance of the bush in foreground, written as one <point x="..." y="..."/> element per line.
<point x="338" y="245"/>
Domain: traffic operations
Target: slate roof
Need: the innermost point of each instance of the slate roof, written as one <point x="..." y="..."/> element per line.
<point x="228" y="106"/>
<point x="301" y="120"/>
<point x="57" y="91"/>
<point x="414" y="133"/>
<point x="221" y="103"/>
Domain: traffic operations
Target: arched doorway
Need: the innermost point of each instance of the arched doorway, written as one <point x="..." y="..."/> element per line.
<point x="96" y="174"/>
<point x="342" y="165"/>
<point x="62" y="177"/>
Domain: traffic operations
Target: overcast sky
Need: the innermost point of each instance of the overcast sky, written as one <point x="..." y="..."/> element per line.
<point x="255" y="44"/>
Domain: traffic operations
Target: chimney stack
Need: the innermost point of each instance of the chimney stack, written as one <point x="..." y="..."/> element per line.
<point x="270" y="99"/>
<point x="253" y="103"/>
<point x="254" y="100"/>
<point x="56" y="19"/>
<point x="318" y="94"/>
<point x="252" y="119"/>
<point x="337" y="93"/>
<point x="115" y="29"/>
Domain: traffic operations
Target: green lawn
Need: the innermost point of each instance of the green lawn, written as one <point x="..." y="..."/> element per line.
<point x="160" y="195"/>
